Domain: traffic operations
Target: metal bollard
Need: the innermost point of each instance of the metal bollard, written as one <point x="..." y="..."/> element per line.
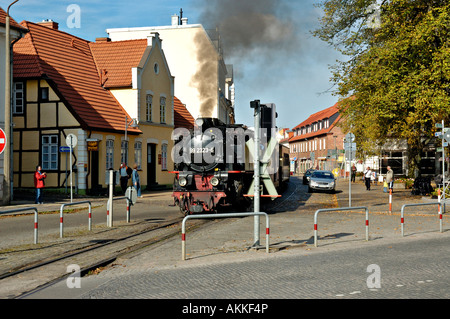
<point x="183" y="227"/>
<point x="108" y="215"/>
<point x="340" y="209"/>
<point x="390" y="201"/>
<point x="24" y="210"/>
<point x="61" y="218"/>
<point x="402" y="220"/>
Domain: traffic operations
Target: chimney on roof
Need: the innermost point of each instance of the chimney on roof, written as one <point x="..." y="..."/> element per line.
<point x="179" y="20"/>
<point x="175" y="20"/>
<point x="102" y="40"/>
<point x="49" y="23"/>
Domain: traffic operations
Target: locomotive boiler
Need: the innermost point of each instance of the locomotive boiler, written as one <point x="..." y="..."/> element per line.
<point x="214" y="166"/>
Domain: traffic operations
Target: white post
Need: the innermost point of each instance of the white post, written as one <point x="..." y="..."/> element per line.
<point x="111" y="193"/>
<point x="257" y="172"/>
<point x="71" y="170"/>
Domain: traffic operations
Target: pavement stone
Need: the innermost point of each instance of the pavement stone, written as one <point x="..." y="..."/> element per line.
<point x="229" y="241"/>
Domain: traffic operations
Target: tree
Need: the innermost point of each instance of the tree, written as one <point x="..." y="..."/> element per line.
<point x="398" y="68"/>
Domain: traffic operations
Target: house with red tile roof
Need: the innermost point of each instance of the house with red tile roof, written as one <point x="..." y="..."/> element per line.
<point x="317" y="141"/>
<point x="116" y="99"/>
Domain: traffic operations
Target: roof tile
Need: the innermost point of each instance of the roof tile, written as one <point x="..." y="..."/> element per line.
<point x="67" y="61"/>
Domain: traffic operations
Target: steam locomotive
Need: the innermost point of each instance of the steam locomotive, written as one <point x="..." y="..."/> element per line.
<point x="214" y="165"/>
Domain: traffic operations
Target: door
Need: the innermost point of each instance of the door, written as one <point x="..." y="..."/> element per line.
<point x="94" y="169"/>
<point x="151" y="164"/>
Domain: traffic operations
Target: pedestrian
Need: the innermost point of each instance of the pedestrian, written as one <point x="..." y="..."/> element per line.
<point x="136" y="181"/>
<point x="367" y="177"/>
<point x="374" y="178"/>
<point x="124" y="172"/>
<point x="39" y="184"/>
<point x="390" y="178"/>
<point x="353" y="173"/>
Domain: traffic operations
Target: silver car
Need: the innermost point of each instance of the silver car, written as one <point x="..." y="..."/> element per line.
<point x="323" y="181"/>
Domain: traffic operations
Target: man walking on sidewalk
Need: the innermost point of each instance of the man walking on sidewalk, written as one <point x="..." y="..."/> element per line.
<point x="367" y="176"/>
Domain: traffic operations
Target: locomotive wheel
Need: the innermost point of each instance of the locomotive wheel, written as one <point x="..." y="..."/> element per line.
<point x="211" y="205"/>
<point x="184" y="207"/>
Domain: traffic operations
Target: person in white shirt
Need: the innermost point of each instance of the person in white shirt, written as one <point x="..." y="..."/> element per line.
<point x="367" y="176"/>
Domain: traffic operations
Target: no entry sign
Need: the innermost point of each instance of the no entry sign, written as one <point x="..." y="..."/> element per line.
<point x="2" y="141"/>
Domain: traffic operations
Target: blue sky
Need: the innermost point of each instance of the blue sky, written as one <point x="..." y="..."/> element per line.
<point x="292" y="73"/>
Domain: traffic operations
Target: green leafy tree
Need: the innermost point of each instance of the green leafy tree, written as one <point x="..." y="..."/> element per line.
<point x="395" y="82"/>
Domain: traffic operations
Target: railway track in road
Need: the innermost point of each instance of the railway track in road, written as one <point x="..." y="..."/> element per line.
<point x="28" y="277"/>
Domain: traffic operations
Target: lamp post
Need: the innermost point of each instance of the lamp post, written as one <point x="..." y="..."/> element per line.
<point x="7" y="187"/>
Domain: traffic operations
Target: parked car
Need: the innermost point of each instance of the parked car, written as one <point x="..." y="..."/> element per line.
<point x="307" y="175"/>
<point x="322" y="181"/>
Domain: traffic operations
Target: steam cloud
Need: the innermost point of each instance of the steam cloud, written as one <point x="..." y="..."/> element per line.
<point x="250" y="30"/>
<point x="249" y="25"/>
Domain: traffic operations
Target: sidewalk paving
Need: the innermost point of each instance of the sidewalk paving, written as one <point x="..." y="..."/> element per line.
<point x="291" y="229"/>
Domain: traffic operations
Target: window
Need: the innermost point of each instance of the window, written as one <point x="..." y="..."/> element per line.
<point x="162" y="109"/>
<point x="124" y="152"/>
<point x="109" y="154"/>
<point x="148" y="108"/>
<point x="43" y="94"/>
<point x="138" y="154"/>
<point x="18" y="96"/>
<point x="50" y="152"/>
<point x="164" y="157"/>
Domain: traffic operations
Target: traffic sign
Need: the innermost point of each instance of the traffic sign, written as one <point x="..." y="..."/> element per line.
<point x="131" y="194"/>
<point x="349" y="137"/>
<point x="447" y="136"/>
<point x="64" y="149"/>
<point x="2" y="141"/>
<point x="71" y="140"/>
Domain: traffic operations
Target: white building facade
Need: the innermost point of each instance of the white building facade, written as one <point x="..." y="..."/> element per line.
<point x="202" y="79"/>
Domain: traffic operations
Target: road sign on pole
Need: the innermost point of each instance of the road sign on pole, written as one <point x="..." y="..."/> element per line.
<point x="2" y="141"/>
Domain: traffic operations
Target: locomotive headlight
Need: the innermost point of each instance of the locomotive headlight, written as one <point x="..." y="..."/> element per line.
<point x="182" y="181"/>
<point x="214" y="181"/>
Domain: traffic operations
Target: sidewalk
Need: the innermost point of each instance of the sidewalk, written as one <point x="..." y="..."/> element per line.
<point x="291" y="231"/>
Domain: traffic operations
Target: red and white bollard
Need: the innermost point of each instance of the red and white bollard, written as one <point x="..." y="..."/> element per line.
<point x="390" y="201"/>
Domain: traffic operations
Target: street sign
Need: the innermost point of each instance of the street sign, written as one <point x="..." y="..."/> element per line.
<point x="64" y="149"/>
<point x="348" y="146"/>
<point x="131" y="194"/>
<point x="2" y="141"/>
<point x="447" y="136"/>
<point x="349" y="138"/>
<point x="438" y="125"/>
<point x="71" y="140"/>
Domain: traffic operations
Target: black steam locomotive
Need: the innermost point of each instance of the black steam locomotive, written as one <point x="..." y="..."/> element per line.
<point x="214" y="168"/>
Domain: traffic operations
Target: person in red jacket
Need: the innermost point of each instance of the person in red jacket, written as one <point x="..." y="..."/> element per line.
<point x="39" y="184"/>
